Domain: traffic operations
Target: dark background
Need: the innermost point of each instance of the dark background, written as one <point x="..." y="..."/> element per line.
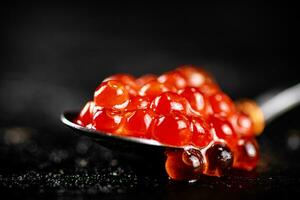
<point x="55" y="54"/>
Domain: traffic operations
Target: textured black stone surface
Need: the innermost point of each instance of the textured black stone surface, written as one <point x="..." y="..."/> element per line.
<point x="45" y="163"/>
<point x="55" y="54"/>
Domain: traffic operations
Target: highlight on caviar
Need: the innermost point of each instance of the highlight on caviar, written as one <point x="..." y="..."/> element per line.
<point x="184" y="107"/>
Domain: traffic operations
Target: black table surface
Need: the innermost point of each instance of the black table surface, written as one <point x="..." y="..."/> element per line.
<point x="55" y="162"/>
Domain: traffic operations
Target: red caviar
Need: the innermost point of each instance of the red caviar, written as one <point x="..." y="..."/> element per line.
<point x="185" y="108"/>
<point x="172" y="129"/>
<point x="169" y="102"/>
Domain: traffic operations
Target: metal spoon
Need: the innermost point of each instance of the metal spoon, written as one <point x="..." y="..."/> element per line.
<point x="272" y="105"/>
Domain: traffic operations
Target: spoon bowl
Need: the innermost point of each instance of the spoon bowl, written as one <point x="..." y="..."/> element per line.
<point x="272" y="105"/>
<point x="122" y="144"/>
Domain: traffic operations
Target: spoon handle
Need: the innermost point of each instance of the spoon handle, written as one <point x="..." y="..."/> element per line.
<point x="269" y="106"/>
<point x="274" y="104"/>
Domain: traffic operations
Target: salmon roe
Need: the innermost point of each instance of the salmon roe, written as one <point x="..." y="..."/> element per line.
<point x="184" y="107"/>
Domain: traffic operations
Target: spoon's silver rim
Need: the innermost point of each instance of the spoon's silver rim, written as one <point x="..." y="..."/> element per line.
<point x="100" y="135"/>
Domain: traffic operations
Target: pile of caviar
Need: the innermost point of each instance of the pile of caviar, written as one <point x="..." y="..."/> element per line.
<point x="184" y="107"/>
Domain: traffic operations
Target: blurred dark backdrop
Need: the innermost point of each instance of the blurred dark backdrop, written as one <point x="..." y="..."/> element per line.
<point x="55" y="54"/>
